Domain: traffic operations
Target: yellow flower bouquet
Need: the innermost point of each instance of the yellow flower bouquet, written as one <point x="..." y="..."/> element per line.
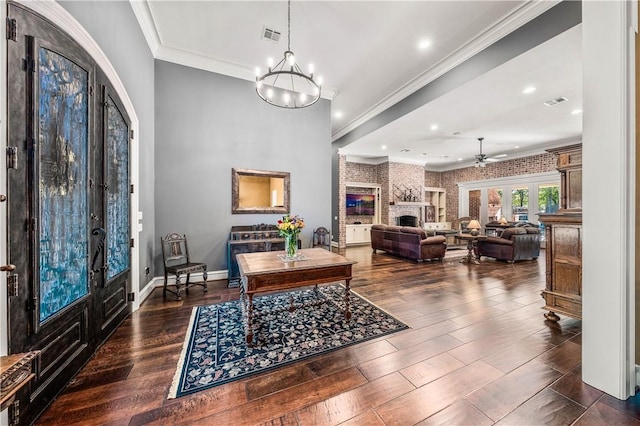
<point x="289" y="227"/>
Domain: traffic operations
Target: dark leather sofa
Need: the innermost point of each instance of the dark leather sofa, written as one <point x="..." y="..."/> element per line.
<point x="407" y="241"/>
<point x="513" y="244"/>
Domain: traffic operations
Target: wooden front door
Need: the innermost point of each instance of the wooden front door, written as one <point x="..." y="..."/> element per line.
<point x="68" y="205"/>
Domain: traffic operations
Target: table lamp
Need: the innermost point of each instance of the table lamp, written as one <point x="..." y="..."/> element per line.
<point x="503" y="220"/>
<point x="474" y="226"/>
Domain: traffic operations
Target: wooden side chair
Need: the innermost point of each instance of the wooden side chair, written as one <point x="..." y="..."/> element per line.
<point x="321" y="238"/>
<point x="175" y="255"/>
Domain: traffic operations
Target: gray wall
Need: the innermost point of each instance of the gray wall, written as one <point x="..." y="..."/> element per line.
<point x="115" y="28"/>
<point x="207" y="124"/>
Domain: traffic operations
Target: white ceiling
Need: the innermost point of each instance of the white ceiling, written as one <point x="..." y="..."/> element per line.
<point x="367" y="54"/>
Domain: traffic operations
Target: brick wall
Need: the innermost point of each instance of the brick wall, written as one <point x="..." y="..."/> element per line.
<point x="383" y="181"/>
<point x="405" y="176"/>
<point x="474" y="204"/>
<point x="411" y="175"/>
<point x="342" y="197"/>
<point x="520" y="166"/>
<point x="358" y="172"/>
<point x="433" y="179"/>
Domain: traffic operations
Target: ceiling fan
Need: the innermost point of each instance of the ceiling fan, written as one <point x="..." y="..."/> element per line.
<point x="482" y="159"/>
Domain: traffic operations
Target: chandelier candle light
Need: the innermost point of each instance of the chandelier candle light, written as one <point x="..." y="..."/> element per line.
<point x="286" y="85"/>
<point x="290" y="227"/>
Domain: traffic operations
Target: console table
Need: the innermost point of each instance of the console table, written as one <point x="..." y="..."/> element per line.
<point x="17" y="371"/>
<point x="250" y="239"/>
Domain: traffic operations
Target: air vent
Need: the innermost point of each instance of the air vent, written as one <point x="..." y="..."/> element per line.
<point x="270" y="34"/>
<point x="556" y="101"/>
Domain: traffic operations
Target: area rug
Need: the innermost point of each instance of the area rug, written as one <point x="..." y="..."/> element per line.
<point x="215" y="351"/>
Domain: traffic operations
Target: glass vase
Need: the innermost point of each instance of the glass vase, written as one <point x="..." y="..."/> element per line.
<point x="291" y="245"/>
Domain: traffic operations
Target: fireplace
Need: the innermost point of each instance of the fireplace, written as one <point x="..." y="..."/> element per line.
<point x="407" y="220"/>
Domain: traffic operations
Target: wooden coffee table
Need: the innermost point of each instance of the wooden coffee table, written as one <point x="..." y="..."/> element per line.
<point x="265" y="271"/>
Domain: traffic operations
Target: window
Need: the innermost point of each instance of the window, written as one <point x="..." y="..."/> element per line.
<point x="520" y="204"/>
<point x="494" y="208"/>
<point x="548" y="198"/>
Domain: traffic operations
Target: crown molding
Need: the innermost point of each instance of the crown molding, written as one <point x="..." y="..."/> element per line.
<point x="504" y="26"/>
<point x="147" y="22"/>
<point x="540" y="149"/>
<point x="202" y="62"/>
<point x="144" y="15"/>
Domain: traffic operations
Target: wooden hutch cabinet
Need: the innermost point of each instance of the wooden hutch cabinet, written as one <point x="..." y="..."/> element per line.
<point x="563" y="290"/>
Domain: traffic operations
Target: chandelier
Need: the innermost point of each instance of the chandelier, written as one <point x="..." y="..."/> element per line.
<point x="285" y="85"/>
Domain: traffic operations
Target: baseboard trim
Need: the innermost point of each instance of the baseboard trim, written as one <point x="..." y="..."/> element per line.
<point x="159" y="282"/>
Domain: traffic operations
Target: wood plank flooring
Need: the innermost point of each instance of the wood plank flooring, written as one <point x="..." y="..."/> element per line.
<point x="479" y="352"/>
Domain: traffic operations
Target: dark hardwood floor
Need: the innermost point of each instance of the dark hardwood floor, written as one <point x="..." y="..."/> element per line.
<point x="478" y="352"/>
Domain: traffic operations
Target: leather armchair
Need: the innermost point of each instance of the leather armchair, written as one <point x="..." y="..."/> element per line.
<point x="518" y="243"/>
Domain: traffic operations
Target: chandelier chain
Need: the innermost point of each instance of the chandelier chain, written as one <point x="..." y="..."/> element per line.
<point x="289" y="26"/>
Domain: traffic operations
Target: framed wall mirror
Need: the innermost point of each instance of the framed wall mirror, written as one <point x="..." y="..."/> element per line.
<point x="259" y="191"/>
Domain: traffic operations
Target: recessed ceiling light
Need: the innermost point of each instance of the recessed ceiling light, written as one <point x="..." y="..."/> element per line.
<point x="576" y="111"/>
<point x="444" y="156"/>
<point x="457" y="133"/>
<point x="516" y="147"/>
<point x="383" y="147"/>
<point x="529" y="89"/>
<point x="424" y="44"/>
<point x="424" y="153"/>
<point x="405" y="150"/>
<point x="434" y="127"/>
<point x="338" y="114"/>
<point x="459" y="159"/>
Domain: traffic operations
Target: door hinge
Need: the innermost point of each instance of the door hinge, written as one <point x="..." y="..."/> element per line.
<point x="33" y="225"/>
<point x="12" y="29"/>
<point x="131" y="297"/>
<point x="12" y="285"/>
<point x="29" y="65"/>
<point x="12" y="157"/>
<point x="131" y="189"/>
<point x="131" y="137"/>
<point x="32" y="303"/>
<point x="90" y="90"/>
<point x="132" y="243"/>
<point x="14" y="413"/>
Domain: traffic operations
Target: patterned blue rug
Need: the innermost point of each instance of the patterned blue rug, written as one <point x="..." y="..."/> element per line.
<point x="215" y="351"/>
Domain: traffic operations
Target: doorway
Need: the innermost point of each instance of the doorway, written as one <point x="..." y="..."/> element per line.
<point x="68" y="205"/>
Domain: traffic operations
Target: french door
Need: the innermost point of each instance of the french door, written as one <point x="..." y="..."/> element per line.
<point x="68" y="205"/>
